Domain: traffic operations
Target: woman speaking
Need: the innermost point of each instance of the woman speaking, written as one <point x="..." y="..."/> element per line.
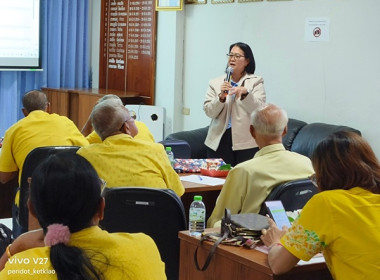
<point x="230" y="100"/>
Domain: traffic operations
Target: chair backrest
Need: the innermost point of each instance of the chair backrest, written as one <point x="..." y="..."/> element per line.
<point x="158" y="213"/>
<point x="180" y="148"/>
<point x="293" y="194"/>
<point x="195" y="138"/>
<point x="310" y="135"/>
<point x="294" y="126"/>
<point x="35" y="157"/>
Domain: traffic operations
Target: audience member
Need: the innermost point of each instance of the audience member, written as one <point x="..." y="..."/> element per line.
<point x="249" y="183"/>
<point x="122" y="160"/>
<point x="65" y="196"/>
<point x="229" y="103"/>
<point x="92" y="137"/>
<point x="342" y="221"/>
<point x="38" y="128"/>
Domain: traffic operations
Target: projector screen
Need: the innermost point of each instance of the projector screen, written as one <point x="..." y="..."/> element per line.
<point x="20" y="35"/>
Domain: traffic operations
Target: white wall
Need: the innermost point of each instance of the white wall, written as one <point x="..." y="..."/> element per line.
<point x="335" y="82"/>
<point x="169" y="68"/>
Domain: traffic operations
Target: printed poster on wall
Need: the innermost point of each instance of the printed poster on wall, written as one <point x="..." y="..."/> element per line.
<point x="317" y="29"/>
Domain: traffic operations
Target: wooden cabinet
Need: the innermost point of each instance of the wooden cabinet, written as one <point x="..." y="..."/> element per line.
<point x="77" y="104"/>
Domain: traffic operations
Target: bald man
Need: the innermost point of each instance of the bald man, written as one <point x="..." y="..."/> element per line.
<point x="92" y="137"/>
<point x="122" y="160"/>
<point x="37" y="129"/>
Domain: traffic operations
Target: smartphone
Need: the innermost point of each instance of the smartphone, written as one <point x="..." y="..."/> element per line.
<point x="277" y="212"/>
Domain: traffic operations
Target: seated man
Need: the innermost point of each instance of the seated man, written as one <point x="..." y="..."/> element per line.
<point x="143" y="131"/>
<point x="122" y="160"/>
<point x="249" y="183"/>
<point x="37" y="129"/>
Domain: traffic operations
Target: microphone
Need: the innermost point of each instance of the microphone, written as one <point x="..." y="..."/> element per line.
<point x="229" y="70"/>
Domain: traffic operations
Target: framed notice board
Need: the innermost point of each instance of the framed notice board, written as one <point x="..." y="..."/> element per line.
<point x="128" y="47"/>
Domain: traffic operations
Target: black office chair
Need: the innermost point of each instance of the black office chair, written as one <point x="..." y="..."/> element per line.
<point x="158" y="213"/>
<point x="180" y="148"/>
<point x="293" y="194"/>
<point x="195" y="138"/>
<point x="35" y="157"/>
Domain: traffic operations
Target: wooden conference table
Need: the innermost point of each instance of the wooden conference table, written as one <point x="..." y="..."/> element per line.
<point x="232" y="262"/>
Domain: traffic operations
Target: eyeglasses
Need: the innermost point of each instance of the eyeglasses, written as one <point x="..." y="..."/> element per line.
<point x="103" y="184"/>
<point x="235" y="55"/>
<point x="132" y="114"/>
<point x="313" y="179"/>
<point x="131" y="119"/>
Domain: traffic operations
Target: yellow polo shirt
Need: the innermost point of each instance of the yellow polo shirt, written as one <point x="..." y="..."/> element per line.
<point x="249" y="183"/>
<point x="345" y="226"/>
<point x="121" y="256"/>
<point x="124" y="161"/>
<point x="38" y="129"/>
<point x="143" y="134"/>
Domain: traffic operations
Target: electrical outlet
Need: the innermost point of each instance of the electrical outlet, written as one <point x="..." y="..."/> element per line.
<point x="185" y="111"/>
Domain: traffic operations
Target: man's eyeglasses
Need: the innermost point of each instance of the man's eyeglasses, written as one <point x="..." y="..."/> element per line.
<point x="313" y="179"/>
<point x="103" y="184"/>
<point x="235" y="55"/>
<point x="132" y="114"/>
<point x="131" y="119"/>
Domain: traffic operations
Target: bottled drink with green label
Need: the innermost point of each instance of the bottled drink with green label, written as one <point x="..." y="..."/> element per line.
<point x="197" y="216"/>
<point x="170" y="154"/>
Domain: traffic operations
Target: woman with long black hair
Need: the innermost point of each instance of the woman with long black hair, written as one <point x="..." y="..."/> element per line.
<point x="65" y="196"/>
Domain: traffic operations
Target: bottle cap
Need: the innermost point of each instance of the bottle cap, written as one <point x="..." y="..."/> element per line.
<point x="198" y="197"/>
<point x="168" y="148"/>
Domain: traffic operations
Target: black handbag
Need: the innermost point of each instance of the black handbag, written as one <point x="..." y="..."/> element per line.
<point x="235" y="229"/>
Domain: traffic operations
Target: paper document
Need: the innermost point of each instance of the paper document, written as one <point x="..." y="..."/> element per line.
<point x="318" y="258"/>
<point x="206" y="180"/>
<point x="7" y="222"/>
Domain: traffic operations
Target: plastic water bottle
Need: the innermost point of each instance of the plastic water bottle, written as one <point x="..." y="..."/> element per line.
<point x="197" y="216"/>
<point x="170" y="155"/>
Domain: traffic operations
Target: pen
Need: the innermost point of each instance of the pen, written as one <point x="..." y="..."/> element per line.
<point x="200" y="178"/>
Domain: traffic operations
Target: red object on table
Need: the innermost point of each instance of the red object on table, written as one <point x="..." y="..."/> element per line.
<point x="214" y="173"/>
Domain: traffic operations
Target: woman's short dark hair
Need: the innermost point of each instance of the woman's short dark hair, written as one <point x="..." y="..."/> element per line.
<point x="65" y="189"/>
<point x="251" y="67"/>
<point x="345" y="160"/>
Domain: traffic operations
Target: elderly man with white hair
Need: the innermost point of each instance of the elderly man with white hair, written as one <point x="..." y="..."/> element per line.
<point x="249" y="183"/>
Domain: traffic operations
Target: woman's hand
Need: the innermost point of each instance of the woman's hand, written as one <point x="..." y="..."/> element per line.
<point x="279" y="258"/>
<point x="238" y="91"/>
<point x="225" y="87"/>
<point x="273" y="234"/>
